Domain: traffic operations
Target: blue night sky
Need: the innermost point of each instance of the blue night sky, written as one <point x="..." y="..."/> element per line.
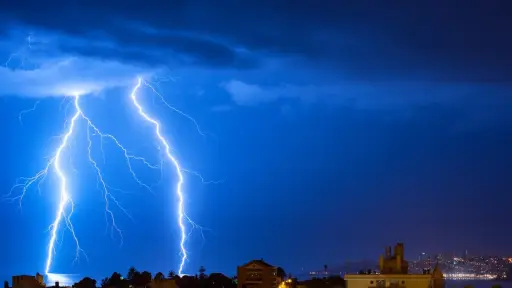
<point x="338" y="127"/>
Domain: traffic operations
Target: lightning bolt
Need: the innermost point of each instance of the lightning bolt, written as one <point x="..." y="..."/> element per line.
<point x="20" y="116"/>
<point x="21" y="55"/>
<point x="172" y="107"/>
<point x="66" y="205"/>
<point x="54" y="165"/>
<point x="64" y="196"/>
<point x="181" y="206"/>
<point x="65" y="199"/>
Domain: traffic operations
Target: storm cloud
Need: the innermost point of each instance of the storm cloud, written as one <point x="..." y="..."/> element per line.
<point x="427" y="40"/>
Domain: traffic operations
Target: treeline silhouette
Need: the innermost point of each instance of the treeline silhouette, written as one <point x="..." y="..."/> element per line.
<point x="136" y="279"/>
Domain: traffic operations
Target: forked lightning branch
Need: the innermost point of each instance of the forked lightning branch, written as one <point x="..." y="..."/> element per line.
<point x="64" y="211"/>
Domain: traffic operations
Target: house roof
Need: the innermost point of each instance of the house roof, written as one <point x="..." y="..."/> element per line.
<point x="259" y="262"/>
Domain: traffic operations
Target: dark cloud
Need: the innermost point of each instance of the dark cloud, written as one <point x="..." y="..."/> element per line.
<point x="162" y="50"/>
<point x="430" y="40"/>
<point x="98" y="22"/>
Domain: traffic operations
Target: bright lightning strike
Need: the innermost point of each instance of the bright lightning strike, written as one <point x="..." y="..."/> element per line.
<point x="64" y="196"/>
<point x="65" y="199"/>
<point x="65" y="207"/>
<point x="174" y="161"/>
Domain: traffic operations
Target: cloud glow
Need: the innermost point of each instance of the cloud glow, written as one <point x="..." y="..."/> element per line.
<point x="39" y="69"/>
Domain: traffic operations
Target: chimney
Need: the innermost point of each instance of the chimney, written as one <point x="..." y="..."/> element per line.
<point x="399" y="249"/>
<point x="57" y="284"/>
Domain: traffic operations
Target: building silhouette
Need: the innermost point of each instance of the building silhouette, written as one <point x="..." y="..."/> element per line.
<point x="394" y="264"/>
<point x="258" y="273"/>
<point x="28" y="281"/>
<point x="394" y="273"/>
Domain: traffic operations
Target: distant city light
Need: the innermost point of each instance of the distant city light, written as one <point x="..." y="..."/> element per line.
<point x="469" y="276"/>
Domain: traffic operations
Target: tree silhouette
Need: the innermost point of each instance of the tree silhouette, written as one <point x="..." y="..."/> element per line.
<point x="145" y="278"/>
<point x="85" y="283"/>
<point x="104" y="282"/>
<point x="325" y="268"/>
<point x="142" y="279"/>
<point x="202" y="271"/>
<point x="218" y="280"/>
<point x="131" y="273"/>
<point x="281" y="273"/>
<point x="171" y="274"/>
<point x="159" y="276"/>
<point x="115" y="278"/>
<point x="117" y="281"/>
<point x="139" y="279"/>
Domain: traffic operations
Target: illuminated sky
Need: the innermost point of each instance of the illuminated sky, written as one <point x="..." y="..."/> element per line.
<point x="327" y="122"/>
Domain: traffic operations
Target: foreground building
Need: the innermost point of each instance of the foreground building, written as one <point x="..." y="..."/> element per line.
<point x="394" y="273"/>
<point x="28" y="281"/>
<point x="258" y="274"/>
